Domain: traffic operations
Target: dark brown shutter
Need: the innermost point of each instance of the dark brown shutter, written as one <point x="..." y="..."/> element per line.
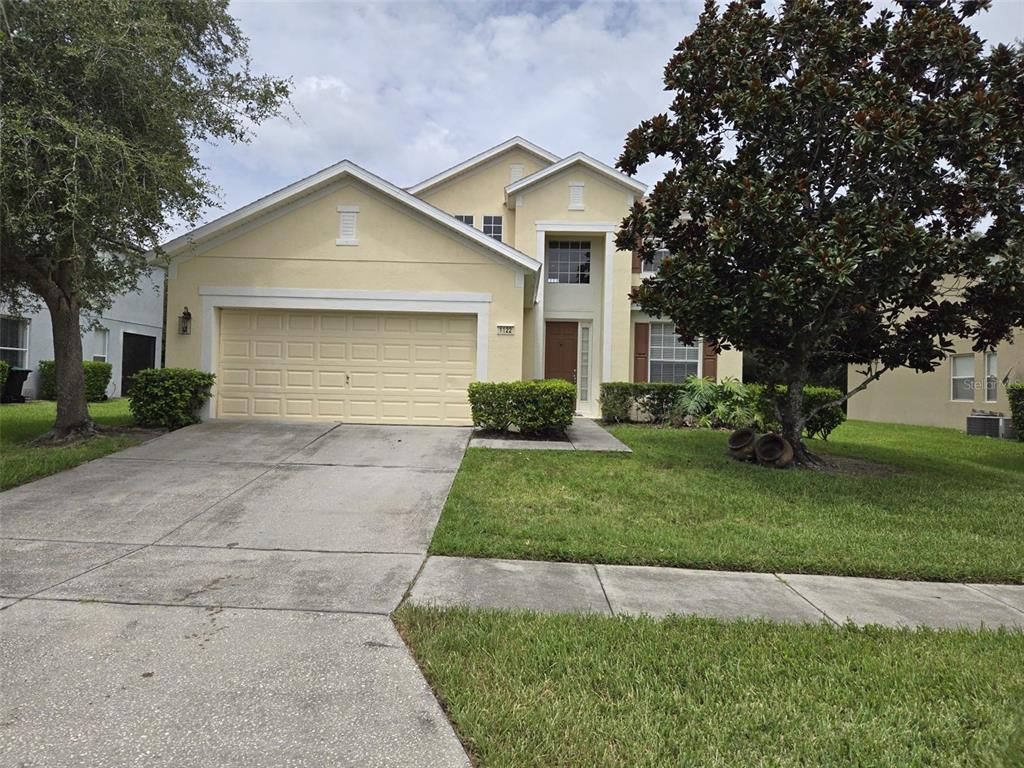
<point x="638" y="263"/>
<point x="641" y="348"/>
<point x="710" y="361"/>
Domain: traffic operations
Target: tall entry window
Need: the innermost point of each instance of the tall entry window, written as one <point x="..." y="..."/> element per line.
<point x="568" y="261"/>
<point x="671" y="360"/>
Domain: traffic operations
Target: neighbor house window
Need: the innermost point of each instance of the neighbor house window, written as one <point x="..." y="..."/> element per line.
<point x="492" y="226"/>
<point x="465" y="218"/>
<point x="962" y="387"/>
<point x="991" y="377"/>
<point x="14" y="341"/>
<point x="569" y="261"/>
<point x="101" y="340"/>
<point x="670" y="359"/>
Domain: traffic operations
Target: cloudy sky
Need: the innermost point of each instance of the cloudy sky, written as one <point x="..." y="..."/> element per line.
<point x="408" y="89"/>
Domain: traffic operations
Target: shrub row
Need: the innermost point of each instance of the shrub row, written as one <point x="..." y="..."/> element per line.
<point x="534" y="407"/>
<point x="168" y="397"/>
<point x="704" y="403"/>
<point x="97" y="379"/>
<point x="1015" y="392"/>
<point x="5" y="368"/>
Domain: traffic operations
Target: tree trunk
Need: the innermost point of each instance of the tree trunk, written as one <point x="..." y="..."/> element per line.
<point x="791" y="411"/>
<point x="72" y="408"/>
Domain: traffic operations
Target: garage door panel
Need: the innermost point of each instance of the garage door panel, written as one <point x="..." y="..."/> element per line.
<point x="360" y="367"/>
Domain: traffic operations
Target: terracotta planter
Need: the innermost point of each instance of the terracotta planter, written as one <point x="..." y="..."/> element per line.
<point x="741" y="444"/>
<point x="774" y="450"/>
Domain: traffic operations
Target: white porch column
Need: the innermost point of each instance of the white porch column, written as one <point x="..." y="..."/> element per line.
<point x="538" y="310"/>
<point x="606" y="317"/>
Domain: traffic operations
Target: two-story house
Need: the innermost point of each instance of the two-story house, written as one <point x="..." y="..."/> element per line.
<point x="345" y="297"/>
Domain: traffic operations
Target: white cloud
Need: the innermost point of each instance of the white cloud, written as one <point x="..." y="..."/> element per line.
<point x="408" y="89"/>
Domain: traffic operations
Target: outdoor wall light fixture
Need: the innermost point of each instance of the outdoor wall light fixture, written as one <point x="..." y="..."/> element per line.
<point x="185" y="323"/>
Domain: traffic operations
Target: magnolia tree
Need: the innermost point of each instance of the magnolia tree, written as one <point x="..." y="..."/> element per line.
<point x="847" y="188"/>
<point x="104" y="105"/>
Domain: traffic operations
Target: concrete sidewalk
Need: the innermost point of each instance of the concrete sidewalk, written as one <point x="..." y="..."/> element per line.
<point x="633" y="590"/>
<point x="583" y="435"/>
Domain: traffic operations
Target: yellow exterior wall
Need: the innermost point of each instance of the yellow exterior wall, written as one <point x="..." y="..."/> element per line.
<point x="480" y="191"/>
<point x="399" y="250"/>
<point x="907" y="397"/>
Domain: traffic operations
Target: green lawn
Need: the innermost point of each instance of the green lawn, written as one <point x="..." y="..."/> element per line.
<point x="954" y="510"/>
<point x="21" y="422"/>
<point x="532" y="690"/>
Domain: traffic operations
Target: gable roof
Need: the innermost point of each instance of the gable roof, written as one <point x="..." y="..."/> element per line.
<point x="516" y="142"/>
<point x="582" y="159"/>
<point x="326" y="177"/>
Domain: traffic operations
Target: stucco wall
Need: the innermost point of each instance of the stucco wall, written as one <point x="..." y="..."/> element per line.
<point x="481" y="191"/>
<point x="140" y="311"/>
<point x="907" y="397"/>
<point x="399" y="250"/>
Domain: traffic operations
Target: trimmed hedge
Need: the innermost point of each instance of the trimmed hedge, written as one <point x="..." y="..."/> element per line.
<point x="1015" y="392"/>
<point x="619" y="398"/>
<point x="535" y="407"/>
<point x="168" y="397"/>
<point x="5" y="368"/>
<point x="658" y="401"/>
<point x="97" y="379"/>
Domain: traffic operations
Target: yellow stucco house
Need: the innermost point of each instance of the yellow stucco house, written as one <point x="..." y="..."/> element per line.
<point x="345" y="297"/>
<point x="965" y="381"/>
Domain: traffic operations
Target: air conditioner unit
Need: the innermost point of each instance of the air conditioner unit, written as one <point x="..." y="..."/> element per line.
<point x="990" y="424"/>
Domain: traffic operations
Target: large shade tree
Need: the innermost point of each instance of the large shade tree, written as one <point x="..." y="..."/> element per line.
<point x="105" y="104"/>
<point x="846" y="188"/>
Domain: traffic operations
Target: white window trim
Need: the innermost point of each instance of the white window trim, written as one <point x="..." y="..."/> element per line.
<point x="699" y="343"/>
<point x="217" y="297"/>
<point x="952" y="379"/>
<point x="27" y="326"/>
<point x="573" y="186"/>
<point x="584" y="396"/>
<point x="348" y="209"/>
<point x="994" y="376"/>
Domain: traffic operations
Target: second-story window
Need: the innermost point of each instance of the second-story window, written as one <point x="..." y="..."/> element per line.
<point x="569" y="261"/>
<point x="492" y="226"/>
<point x="465" y="218"/>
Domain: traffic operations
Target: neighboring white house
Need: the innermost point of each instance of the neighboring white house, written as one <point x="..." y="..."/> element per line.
<point x="130" y="336"/>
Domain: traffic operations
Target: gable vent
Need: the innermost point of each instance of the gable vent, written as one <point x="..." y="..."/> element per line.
<point x="347" y="225"/>
<point x="515" y="172"/>
<point x="576" y="196"/>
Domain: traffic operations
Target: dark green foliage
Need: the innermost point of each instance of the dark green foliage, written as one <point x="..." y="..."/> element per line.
<point x="650" y="400"/>
<point x="853" y="181"/>
<point x="820" y="424"/>
<point x="1015" y="392"/>
<point x="169" y="397"/>
<point x="535" y="407"/>
<point x="97" y="378"/>
<point x="5" y="368"/>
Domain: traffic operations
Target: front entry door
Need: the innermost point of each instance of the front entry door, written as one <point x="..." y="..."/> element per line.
<point x="560" y="350"/>
<point x="138" y="353"/>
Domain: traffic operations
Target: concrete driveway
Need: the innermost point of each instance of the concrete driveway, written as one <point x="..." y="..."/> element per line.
<point x="219" y="597"/>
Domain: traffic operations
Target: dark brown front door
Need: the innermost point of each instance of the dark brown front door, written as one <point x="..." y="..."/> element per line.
<point x="560" y="348"/>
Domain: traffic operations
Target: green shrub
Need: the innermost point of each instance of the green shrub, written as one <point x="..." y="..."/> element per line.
<point x="617" y="398"/>
<point x="168" y="397"/>
<point x="703" y="403"/>
<point x="5" y="368"/>
<point x="97" y="379"/>
<point x="47" y="371"/>
<point x="820" y="424"/>
<point x="1015" y="392"/>
<point x="535" y="407"/>
<point x="654" y="400"/>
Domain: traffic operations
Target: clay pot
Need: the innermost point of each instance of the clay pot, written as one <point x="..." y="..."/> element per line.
<point x="741" y="444"/>
<point x="774" y="450"/>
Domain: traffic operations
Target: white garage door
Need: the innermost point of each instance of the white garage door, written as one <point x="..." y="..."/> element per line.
<point x="360" y="367"/>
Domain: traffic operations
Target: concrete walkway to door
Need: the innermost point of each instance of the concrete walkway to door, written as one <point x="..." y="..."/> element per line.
<point x="219" y="596"/>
